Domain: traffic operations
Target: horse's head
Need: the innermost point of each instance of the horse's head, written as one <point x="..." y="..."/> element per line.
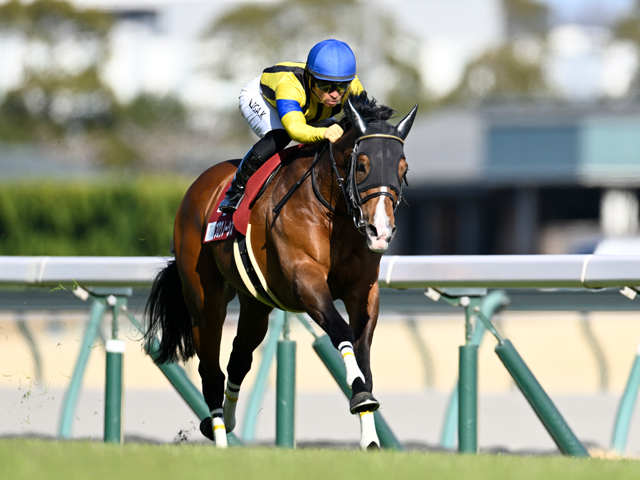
<point x="376" y="170"/>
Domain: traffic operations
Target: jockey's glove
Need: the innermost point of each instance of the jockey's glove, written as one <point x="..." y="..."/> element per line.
<point x="333" y="133"/>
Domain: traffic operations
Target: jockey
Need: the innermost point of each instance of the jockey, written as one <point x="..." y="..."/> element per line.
<point x="294" y="101"/>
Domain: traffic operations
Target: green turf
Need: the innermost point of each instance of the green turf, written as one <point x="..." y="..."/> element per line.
<point x="37" y="459"/>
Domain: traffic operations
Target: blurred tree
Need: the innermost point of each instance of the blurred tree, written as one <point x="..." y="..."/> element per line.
<point x="151" y="111"/>
<point x="249" y="38"/>
<point x="628" y="29"/>
<point x="61" y="88"/>
<point x="526" y="18"/>
<point x="61" y="94"/>
<point x="515" y="69"/>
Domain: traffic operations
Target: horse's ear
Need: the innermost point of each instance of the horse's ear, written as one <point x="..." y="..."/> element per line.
<point x="407" y="122"/>
<point x="359" y="123"/>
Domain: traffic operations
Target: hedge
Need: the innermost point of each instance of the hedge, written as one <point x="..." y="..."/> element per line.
<point x="89" y="217"/>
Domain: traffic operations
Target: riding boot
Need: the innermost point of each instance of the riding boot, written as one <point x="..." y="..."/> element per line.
<point x="249" y="165"/>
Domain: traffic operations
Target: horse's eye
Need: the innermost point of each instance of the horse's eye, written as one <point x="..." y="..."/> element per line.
<point x="360" y="167"/>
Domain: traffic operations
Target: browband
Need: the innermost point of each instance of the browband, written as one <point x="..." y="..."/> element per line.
<point x="380" y="135"/>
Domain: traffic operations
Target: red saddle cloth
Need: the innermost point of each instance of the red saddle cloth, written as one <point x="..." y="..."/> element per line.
<point x="222" y="226"/>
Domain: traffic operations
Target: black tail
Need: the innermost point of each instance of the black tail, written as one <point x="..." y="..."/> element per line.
<point x="166" y="313"/>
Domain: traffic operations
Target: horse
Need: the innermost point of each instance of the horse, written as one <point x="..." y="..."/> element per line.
<point x="313" y="241"/>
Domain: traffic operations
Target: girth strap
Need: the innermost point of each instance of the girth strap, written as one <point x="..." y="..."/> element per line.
<point x="250" y="272"/>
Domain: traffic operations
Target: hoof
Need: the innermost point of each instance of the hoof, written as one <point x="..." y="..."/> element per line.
<point x="363" y="402"/>
<point x="206" y="428"/>
<point x="372" y="447"/>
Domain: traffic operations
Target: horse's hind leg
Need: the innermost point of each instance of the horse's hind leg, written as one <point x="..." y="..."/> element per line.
<point x="252" y="328"/>
<point x="207" y="296"/>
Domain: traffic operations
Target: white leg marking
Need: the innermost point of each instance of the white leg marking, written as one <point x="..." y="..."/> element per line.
<point x="368" y="435"/>
<point x="350" y="363"/>
<point x="219" y="431"/>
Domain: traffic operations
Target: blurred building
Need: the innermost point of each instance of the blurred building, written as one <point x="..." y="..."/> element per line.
<point x="521" y="179"/>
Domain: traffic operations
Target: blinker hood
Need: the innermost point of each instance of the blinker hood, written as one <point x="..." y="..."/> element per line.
<point x="383" y="144"/>
<point x="385" y="154"/>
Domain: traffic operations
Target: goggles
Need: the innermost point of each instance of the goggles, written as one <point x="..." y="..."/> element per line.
<point x="329" y="86"/>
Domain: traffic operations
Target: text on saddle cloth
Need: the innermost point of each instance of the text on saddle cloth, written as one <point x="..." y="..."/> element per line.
<point x="222" y="226"/>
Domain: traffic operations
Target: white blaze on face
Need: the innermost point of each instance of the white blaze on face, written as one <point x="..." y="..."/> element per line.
<point x="381" y="222"/>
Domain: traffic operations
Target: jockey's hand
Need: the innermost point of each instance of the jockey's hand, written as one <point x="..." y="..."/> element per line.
<point x="333" y="133"/>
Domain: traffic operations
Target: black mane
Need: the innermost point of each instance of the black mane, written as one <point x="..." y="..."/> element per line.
<point x="369" y="108"/>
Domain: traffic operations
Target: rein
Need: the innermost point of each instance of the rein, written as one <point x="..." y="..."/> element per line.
<point x="276" y="210"/>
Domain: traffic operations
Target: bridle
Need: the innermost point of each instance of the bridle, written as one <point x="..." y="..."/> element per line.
<point x="350" y="188"/>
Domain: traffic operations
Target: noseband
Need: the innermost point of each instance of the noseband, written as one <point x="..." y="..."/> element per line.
<point x="351" y="189"/>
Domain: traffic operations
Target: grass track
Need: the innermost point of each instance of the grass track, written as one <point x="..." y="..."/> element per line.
<point x="39" y="459"/>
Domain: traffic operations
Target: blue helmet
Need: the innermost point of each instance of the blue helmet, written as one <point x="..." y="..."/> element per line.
<point x="332" y="60"/>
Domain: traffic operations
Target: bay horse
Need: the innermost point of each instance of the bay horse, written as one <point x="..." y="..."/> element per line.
<point x="314" y="241"/>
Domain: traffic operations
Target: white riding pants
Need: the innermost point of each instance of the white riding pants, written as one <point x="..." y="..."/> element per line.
<point x="261" y="116"/>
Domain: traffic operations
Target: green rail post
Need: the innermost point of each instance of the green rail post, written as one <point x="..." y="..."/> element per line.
<point x="542" y="405"/>
<point x="98" y="307"/>
<point x="25" y="330"/>
<point x="490" y="304"/>
<point x="468" y="387"/>
<point x="468" y="399"/>
<point x="113" y="392"/>
<point x="547" y="412"/>
<point x="286" y="390"/>
<point x="625" y="409"/>
<point x="113" y="404"/>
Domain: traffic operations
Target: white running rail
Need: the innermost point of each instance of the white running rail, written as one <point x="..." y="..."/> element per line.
<point x="505" y="271"/>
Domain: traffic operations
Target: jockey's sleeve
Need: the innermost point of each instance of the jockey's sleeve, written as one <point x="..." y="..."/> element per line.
<point x="290" y="98"/>
<point x="295" y="124"/>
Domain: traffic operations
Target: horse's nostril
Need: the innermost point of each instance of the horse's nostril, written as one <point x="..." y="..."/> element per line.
<point x="373" y="230"/>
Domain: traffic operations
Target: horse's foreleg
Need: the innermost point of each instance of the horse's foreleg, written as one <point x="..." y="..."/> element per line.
<point x="313" y="292"/>
<point x="362" y="348"/>
<point x="362" y="307"/>
<point x="252" y="328"/>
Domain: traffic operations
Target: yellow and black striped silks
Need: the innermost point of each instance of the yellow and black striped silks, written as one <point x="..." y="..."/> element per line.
<point x="286" y="87"/>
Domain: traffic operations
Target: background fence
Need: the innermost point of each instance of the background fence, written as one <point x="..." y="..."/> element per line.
<point x="574" y="272"/>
